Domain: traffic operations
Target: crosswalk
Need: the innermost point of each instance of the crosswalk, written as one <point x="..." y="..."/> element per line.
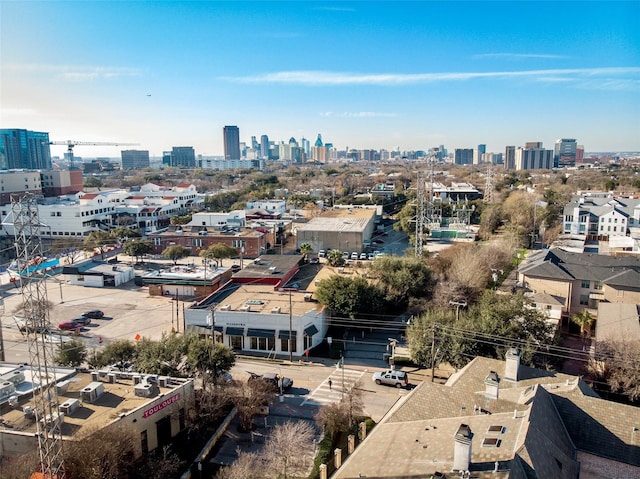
<point x="334" y="388"/>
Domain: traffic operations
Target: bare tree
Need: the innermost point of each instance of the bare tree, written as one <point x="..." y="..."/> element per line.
<point x="249" y="465"/>
<point x="618" y="363"/>
<point x="287" y="449"/>
<point x="248" y="397"/>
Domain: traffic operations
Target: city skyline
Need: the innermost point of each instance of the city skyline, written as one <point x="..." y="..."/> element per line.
<point x="365" y="75"/>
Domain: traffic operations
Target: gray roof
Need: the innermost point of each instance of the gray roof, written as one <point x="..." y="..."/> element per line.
<point x="533" y="439"/>
<point x="619" y="271"/>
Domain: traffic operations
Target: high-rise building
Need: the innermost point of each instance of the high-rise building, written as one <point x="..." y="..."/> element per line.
<point x="183" y="156"/>
<point x="463" y="156"/>
<point x="478" y="154"/>
<point x="533" y="159"/>
<point x="264" y="146"/>
<point x="24" y="149"/>
<point x="133" y="159"/>
<point x="231" y="142"/>
<point x="565" y="152"/>
<point x="510" y="158"/>
<point x="318" y="140"/>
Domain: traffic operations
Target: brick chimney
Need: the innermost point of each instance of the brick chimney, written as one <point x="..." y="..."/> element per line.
<point x="491" y="383"/>
<point x="512" y="364"/>
<point x="462" y="448"/>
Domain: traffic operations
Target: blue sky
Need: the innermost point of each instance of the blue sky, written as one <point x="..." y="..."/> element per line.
<point x="363" y="74"/>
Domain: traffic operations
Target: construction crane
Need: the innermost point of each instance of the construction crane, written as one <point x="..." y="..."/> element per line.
<point x="71" y="143"/>
<point x="26" y="224"/>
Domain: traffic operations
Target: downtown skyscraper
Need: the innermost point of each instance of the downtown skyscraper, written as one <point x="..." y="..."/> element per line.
<point x="231" y="136"/>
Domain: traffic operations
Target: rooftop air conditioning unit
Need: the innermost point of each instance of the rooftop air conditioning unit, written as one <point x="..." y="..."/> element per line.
<point x="163" y="382"/>
<point x="276" y="310"/>
<point x="92" y="392"/>
<point x="225" y="307"/>
<point x="15" y="377"/>
<point x="145" y="390"/>
<point x="273" y="269"/>
<point x="69" y="406"/>
<point x="246" y="307"/>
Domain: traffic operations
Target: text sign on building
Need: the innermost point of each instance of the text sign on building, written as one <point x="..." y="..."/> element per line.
<point x="158" y="407"/>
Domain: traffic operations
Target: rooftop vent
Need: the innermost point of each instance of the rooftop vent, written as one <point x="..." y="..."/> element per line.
<point x="273" y="269"/>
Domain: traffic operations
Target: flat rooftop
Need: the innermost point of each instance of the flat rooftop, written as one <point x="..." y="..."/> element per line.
<point x="340" y="220"/>
<point x="117" y="399"/>
<point x="264" y="299"/>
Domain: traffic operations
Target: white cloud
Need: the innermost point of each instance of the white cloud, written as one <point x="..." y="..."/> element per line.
<point x="326" y="78"/>
<point x="519" y="56"/>
<point x="358" y="114"/>
<point x="75" y="72"/>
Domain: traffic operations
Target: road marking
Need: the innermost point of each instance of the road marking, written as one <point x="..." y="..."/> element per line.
<point x="324" y="394"/>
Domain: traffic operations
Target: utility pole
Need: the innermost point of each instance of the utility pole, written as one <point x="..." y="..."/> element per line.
<point x="457" y="304"/>
<point x="433" y="352"/>
<point x="290" y="328"/>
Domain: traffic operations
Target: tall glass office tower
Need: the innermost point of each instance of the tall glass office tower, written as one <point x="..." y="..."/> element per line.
<point x="24" y="149"/>
<point x="231" y="142"/>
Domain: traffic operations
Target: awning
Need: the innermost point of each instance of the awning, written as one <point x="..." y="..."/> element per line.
<point x="235" y="331"/>
<point x="261" y="333"/>
<point x="310" y="330"/>
<point x="197" y="329"/>
<point x="284" y="334"/>
<point x="598" y="296"/>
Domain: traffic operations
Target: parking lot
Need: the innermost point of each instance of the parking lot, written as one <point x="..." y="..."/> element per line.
<point x="128" y="311"/>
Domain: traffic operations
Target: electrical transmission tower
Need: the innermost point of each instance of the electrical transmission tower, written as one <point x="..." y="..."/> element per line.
<point x="428" y="213"/>
<point x="488" y="186"/>
<point x="26" y="224"/>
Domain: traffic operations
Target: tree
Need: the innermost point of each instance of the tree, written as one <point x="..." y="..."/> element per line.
<point x="287" y="448"/>
<point x="487" y="328"/>
<point x="92" y="182"/>
<point x="400" y="278"/>
<point x="334" y="258"/>
<point x="175" y="253"/>
<point x="490" y="220"/>
<point x="343" y="416"/>
<point x="248" y="465"/>
<point x="72" y="353"/>
<point x="101" y="453"/>
<point x="248" y="398"/>
<point x="207" y="360"/>
<point x="348" y="296"/>
<point x="219" y="251"/>
<point x="618" y="363"/>
<point x="98" y="240"/>
<point x="118" y="351"/>
<point x="181" y="219"/>
<point x="584" y="319"/>
<point x="137" y="248"/>
<point x="305" y="249"/>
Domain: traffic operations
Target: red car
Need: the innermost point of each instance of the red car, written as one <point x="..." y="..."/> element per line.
<point x="70" y="326"/>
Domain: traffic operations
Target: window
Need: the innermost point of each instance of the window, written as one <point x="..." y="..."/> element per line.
<point x="262" y="344"/>
<point x="181" y="420"/>
<point x="597" y="285"/>
<point x="144" y="442"/>
<point x="584" y="299"/>
<point x="235" y="342"/>
<point x="284" y="345"/>
<point x="586" y="284"/>
<point x="308" y="342"/>
<point x="491" y="442"/>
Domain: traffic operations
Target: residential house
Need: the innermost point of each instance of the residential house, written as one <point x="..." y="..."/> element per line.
<point x="501" y="419"/>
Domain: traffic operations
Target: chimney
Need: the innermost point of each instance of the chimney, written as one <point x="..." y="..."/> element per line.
<point x="462" y="448"/>
<point x="513" y="364"/>
<point x="491" y="385"/>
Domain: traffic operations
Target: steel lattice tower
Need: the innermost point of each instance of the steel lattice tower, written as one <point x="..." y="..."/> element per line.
<point x="26" y="223"/>
<point x="488" y="186"/>
<point x="420" y="214"/>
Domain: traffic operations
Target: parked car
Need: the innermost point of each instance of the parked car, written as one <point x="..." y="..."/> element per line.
<point x="273" y="379"/>
<point x="314" y="260"/>
<point x="345" y="255"/>
<point x="70" y="326"/>
<point x="82" y="320"/>
<point x="370" y="256"/>
<point x="235" y="268"/>
<point x="354" y="255"/>
<point x="93" y="314"/>
<point x="363" y="256"/>
<point x="391" y="377"/>
<point x="377" y="241"/>
<point x="322" y="253"/>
